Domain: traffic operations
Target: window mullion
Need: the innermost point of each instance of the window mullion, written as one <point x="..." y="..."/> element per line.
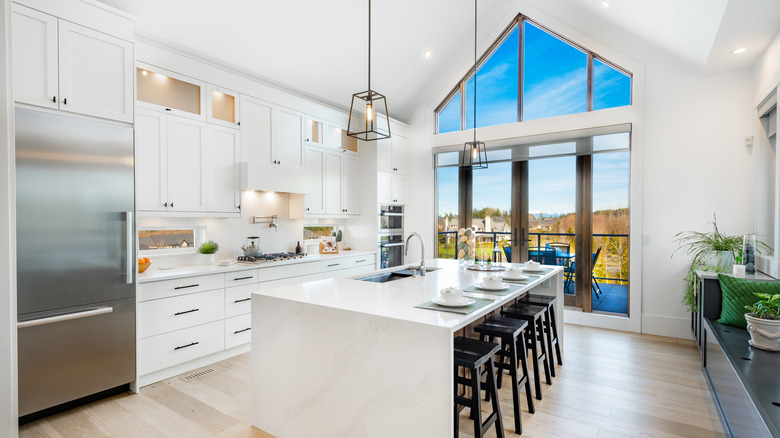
<point x="590" y="82"/>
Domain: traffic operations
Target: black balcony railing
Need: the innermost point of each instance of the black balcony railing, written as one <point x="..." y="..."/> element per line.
<point x="614" y="249"/>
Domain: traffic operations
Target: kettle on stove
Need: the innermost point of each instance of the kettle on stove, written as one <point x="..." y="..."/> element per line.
<point x="252" y="247"/>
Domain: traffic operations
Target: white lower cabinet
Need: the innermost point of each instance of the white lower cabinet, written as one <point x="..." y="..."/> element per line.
<point x="169" y="314"/>
<point x="348" y="266"/>
<point x="238" y="330"/>
<point x="238" y="299"/>
<point x="162" y="351"/>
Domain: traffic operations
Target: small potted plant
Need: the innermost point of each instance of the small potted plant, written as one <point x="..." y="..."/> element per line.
<point x="207" y="251"/>
<point x="763" y="322"/>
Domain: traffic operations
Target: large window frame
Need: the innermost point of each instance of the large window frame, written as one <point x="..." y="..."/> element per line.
<point x="518" y="22"/>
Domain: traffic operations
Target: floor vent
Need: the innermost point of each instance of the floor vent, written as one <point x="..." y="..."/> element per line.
<point x="196" y="375"/>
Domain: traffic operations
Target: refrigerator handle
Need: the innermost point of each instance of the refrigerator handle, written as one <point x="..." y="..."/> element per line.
<point x="129" y="253"/>
<point x="66" y="317"/>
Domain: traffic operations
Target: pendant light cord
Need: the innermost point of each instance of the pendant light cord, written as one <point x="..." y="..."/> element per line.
<point x="475" y="71"/>
<point x="369" y="46"/>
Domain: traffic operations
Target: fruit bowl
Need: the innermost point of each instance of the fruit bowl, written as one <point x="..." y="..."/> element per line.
<point x="143" y="264"/>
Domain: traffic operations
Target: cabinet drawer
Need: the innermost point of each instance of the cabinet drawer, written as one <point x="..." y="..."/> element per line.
<point x="238" y="300"/>
<point x="286" y="271"/>
<point x="357" y="270"/>
<point x="241" y="277"/>
<point x="163" y="351"/>
<point x="238" y="330"/>
<point x="288" y="281"/>
<point x="332" y="265"/>
<point x="355" y="261"/>
<point x="180" y="286"/>
<point x="162" y="316"/>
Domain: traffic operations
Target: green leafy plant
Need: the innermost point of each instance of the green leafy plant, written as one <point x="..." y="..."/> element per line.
<point x="209" y="247"/>
<point x="768" y="307"/>
<point x="700" y="246"/>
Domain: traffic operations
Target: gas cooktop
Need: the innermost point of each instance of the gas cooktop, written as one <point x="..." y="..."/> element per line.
<point x="273" y="257"/>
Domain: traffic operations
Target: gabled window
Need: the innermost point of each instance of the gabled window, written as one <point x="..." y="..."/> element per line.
<point x="555" y="77"/>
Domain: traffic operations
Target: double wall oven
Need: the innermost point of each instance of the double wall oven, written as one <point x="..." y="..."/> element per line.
<point x="391" y="236"/>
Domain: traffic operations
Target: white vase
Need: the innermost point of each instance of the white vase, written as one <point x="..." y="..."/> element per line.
<point x="764" y="333"/>
<point x="206" y="259"/>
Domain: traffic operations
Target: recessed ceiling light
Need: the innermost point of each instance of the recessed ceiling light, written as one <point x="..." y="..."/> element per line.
<point x="427" y="54"/>
<point x="144" y="72"/>
<point x="605" y="3"/>
<point x="739" y="50"/>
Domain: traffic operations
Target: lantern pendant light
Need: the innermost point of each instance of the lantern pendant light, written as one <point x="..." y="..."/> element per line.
<point x="474" y="152"/>
<point x="368" y="117"/>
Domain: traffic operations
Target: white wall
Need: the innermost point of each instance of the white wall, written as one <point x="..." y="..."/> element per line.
<point x="766" y="73"/>
<point x="8" y="387"/>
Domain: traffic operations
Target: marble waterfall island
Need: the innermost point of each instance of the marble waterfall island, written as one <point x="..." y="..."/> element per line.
<point x="349" y="358"/>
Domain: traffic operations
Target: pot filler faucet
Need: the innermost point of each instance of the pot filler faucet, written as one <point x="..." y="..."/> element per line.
<point x="422" y="255"/>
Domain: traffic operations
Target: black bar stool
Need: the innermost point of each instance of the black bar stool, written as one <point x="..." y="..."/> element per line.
<point x="473" y="355"/>
<point x="535" y="341"/>
<point x="552" y="334"/>
<point x="511" y="332"/>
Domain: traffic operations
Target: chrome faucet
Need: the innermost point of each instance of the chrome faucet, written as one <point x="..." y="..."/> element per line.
<point x="422" y="255"/>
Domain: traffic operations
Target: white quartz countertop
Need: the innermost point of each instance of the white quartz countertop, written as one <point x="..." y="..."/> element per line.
<point x="397" y="299"/>
<point x="158" y="274"/>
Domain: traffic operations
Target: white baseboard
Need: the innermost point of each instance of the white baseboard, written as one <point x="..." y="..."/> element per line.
<point x="167" y="373"/>
<point x="662" y="325"/>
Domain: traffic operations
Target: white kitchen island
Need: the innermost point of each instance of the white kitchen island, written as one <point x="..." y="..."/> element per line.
<point x="349" y="358"/>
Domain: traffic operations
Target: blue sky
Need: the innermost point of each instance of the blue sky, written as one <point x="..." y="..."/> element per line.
<point x="554" y="83"/>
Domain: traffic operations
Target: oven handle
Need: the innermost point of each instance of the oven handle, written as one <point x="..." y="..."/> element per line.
<point x="384" y="213"/>
<point x="392" y="244"/>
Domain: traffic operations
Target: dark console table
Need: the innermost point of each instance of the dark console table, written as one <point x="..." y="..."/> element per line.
<point x="745" y="381"/>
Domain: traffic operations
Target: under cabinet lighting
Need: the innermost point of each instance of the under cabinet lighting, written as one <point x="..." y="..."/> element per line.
<point x="739" y="50"/>
<point x="605" y="3"/>
<point x="144" y="72"/>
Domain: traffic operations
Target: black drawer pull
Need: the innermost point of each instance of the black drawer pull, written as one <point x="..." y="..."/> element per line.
<point x="360" y="261"/>
<point x="185" y="346"/>
<point x="185" y="287"/>
<point x="240" y="331"/>
<point x="244" y="278"/>
<point x="242" y="300"/>
<point x="335" y="264"/>
<point x="186" y="311"/>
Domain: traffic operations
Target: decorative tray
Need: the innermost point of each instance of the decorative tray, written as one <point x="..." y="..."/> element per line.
<point x="486" y="268"/>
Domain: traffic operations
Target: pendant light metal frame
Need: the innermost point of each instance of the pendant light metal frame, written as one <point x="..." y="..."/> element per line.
<point x="367" y="126"/>
<point x="474" y="152"/>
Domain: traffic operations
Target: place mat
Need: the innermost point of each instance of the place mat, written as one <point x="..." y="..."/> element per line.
<point x="465" y="310"/>
<point x="511" y="289"/>
<point x="544" y="271"/>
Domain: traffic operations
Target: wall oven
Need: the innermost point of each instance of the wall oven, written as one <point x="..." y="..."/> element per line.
<point x="390" y="236"/>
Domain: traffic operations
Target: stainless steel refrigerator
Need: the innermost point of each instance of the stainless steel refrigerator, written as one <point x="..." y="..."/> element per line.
<point x="75" y="259"/>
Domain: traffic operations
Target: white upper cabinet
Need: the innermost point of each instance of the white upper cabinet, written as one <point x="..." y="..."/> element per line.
<point x="314" y="202"/>
<point x="332" y="184"/>
<point x="287" y="138"/>
<point x="222" y="170"/>
<point x="35" y="57"/>
<point x="256" y="130"/>
<point x="393" y="155"/>
<point x="350" y="184"/>
<point x="186" y="153"/>
<point x="151" y="160"/>
<point x="62" y="65"/>
<point x="336" y="137"/>
<point x="315" y="131"/>
<point x="223" y="106"/>
<point x="163" y="90"/>
<point x="392" y="188"/>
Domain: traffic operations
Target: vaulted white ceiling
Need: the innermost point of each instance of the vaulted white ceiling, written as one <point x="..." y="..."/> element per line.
<point x="318" y="48"/>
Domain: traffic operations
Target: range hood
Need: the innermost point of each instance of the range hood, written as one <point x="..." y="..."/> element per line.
<point x="274" y="178"/>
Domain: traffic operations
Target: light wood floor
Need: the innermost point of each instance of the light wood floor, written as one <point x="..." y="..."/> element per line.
<point x="612" y="384"/>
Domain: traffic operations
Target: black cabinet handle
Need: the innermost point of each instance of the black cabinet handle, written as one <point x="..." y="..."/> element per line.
<point x="307" y="209"/>
<point x="65" y="101"/>
<point x="360" y="261"/>
<point x="243" y="278"/>
<point x="238" y="123"/>
<point x="165" y="204"/>
<point x="242" y="300"/>
<point x="334" y="264"/>
<point x="308" y="139"/>
<point x="54" y="99"/>
<point x="171" y="204"/>
<point x="186" y="311"/>
<point x="280" y="162"/>
<point x="185" y="287"/>
<point x="239" y="331"/>
<point x="185" y="346"/>
<point x="167" y="109"/>
<point x="239" y="206"/>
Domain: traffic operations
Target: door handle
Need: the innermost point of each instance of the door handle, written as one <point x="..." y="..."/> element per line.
<point x="129" y="252"/>
<point x="65" y="317"/>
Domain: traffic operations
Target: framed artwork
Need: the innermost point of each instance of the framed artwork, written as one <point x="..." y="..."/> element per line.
<point x="328" y="245"/>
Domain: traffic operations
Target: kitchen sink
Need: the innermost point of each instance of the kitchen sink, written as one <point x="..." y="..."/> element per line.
<point x="392" y="276"/>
